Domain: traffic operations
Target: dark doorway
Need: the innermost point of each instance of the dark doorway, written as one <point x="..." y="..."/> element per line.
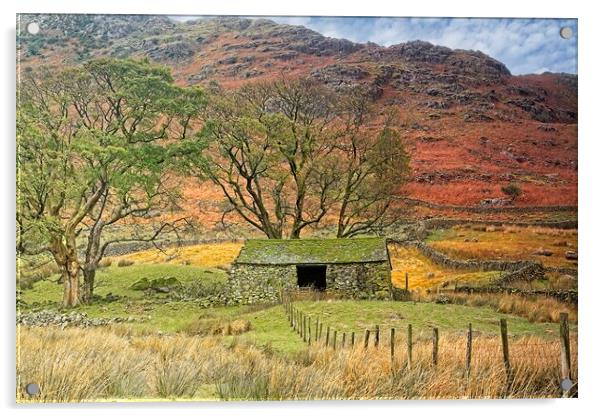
<point x="312" y="276"/>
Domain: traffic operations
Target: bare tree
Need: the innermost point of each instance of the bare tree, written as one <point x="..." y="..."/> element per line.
<point x="374" y="165"/>
<point x="286" y="154"/>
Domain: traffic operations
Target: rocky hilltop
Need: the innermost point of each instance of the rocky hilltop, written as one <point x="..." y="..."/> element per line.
<point x="470" y="124"/>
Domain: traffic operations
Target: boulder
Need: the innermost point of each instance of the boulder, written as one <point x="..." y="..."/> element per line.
<point x="141" y="285"/>
<point x="543" y="252"/>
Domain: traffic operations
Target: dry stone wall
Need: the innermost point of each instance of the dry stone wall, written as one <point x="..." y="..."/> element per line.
<point x="249" y="284"/>
<point x="469" y="265"/>
<point x="566" y="296"/>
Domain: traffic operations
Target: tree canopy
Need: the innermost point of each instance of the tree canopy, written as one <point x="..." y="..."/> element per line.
<point x="290" y="154"/>
<point x="95" y="147"/>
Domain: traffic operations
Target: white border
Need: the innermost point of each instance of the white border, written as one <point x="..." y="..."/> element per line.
<point x="589" y="196"/>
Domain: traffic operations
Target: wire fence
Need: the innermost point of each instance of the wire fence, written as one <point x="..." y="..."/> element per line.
<point x="406" y="345"/>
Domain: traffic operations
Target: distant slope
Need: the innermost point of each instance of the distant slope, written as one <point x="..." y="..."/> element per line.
<point x="470" y="125"/>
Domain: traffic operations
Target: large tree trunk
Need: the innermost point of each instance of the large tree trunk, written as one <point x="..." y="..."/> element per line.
<point x="71" y="286"/>
<point x="65" y="255"/>
<point x="88" y="284"/>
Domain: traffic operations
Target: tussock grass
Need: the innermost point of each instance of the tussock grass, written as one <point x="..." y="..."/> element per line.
<point x="125" y="262"/>
<point x="84" y="365"/>
<point x="534" y="309"/>
<point x="215" y="326"/>
<point x="105" y="263"/>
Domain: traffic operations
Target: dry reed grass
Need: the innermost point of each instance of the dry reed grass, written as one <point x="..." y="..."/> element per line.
<point x="214" y="326"/>
<point x="112" y="363"/>
<point x="534" y="309"/>
<point x="125" y="262"/>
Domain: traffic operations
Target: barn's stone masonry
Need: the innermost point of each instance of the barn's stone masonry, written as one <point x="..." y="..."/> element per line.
<point x="251" y="283"/>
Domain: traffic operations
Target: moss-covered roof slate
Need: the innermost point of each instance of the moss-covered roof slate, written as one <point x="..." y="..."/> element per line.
<point x="313" y="251"/>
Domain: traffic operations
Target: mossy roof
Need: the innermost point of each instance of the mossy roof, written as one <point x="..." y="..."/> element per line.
<point x="313" y="251"/>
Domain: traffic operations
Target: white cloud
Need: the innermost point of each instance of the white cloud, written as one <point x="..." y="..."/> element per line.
<point x="523" y="45"/>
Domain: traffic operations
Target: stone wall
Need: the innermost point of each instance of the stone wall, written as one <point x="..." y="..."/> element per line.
<point x="490" y="209"/>
<point x="368" y="280"/>
<point x="443" y="223"/>
<point x="442" y="259"/>
<point x="249" y="284"/>
<point x="528" y="273"/>
<point x="567" y="296"/>
<point x="125" y="248"/>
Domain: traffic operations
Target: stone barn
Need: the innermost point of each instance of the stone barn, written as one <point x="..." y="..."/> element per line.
<point x="357" y="268"/>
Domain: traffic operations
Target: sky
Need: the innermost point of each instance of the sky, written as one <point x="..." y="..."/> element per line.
<point x="525" y="46"/>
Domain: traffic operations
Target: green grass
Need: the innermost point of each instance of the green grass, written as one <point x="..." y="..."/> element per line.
<point x="269" y="325"/>
<point x="117" y="280"/>
<point x="347" y="316"/>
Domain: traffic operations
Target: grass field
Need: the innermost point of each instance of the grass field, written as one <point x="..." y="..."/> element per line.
<point x="178" y="349"/>
<point x="212" y="255"/>
<point x="424" y="274"/>
<point x="270" y="329"/>
<point x="159" y="312"/>
<point x="118" y="280"/>
<point x="114" y="363"/>
<point x="507" y="242"/>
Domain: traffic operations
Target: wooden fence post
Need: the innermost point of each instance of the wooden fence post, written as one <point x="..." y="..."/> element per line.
<point x="435" y="345"/>
<point x="309" y="330"/>
<point x="327" y="335"/>
<point x="468" y="349"/>
<point x="506" y="350"/>
<point x="293" y="320"/>
<point x="366" y="338"/>
<point x="304" y="329"/>
<point x="316" y="329"/>
<point x="320" y="331"/>
<point x="410" y="345"/>
<point x="565" y="351"/>
<point x="343" y="341"/>
<point x="334" y="340"/>
<point x="376" y="336"/>
<point x="392" y="344"/>
<point x="352" y="339"/>
<point x="407" y="282"/>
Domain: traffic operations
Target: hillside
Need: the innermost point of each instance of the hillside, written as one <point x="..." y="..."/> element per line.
<point x="470" y="125"/>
